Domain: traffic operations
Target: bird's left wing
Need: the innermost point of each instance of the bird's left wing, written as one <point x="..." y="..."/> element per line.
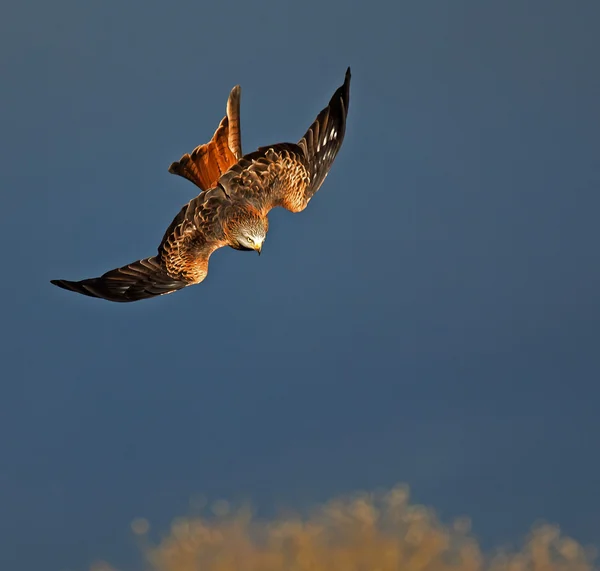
<point x="289" y="174"/>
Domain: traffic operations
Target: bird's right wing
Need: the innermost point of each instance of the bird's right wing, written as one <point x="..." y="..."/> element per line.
<point x="208" y="162"/>
<point x="138" y="280"/>
<point x="182" y="258"/>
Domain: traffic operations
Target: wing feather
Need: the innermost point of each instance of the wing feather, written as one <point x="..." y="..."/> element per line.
<point x="138" y="280"/>
<point x="288" y="174"/>
<point x="324" y="138"/>
<point x="182" y="258"/>
<point x="285" y="174"/>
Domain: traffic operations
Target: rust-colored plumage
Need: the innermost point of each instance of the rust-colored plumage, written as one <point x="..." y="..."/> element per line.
<point x="206" y="163"/>
<point x="237" y="193"/>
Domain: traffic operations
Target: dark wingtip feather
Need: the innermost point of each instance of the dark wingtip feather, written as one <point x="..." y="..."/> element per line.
<point x="66" y="284"/>
<point x="136" y="281"/>
<point x="324" y="138"/>
<point x="86" y="287"/>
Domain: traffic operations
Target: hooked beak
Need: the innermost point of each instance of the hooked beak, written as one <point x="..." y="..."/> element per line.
<point x="258" y="248"/>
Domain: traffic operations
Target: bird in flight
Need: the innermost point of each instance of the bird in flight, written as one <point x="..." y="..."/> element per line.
<point x="237" y="193"/>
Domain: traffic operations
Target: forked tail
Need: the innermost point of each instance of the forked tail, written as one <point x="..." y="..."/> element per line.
<point x="208" y="162"/>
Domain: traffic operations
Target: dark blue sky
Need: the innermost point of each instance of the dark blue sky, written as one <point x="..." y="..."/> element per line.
<point x="431" y="318"/>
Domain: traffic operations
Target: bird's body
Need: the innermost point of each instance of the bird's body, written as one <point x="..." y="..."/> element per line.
<point x="237" y="193"/>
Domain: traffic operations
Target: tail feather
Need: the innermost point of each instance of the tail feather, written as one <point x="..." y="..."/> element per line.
<point x="233" y="117"/>
<point x="139" y="280"/>
<point x="208" y="162"/>
<point x="324" y="138"/>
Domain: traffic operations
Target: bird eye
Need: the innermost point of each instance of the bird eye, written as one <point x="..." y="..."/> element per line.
<point x="250" y="240"/>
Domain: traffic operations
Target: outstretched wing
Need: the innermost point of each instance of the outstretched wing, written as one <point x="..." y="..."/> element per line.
<point x="182" y="258"/>
<point x="323" y="140"/>
<point x="208" y="162"/>
<point x="288" y="174"/>
<point x="139" y="280"/>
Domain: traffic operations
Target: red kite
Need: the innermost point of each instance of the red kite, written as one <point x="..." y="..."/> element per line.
<point x="237" y="193"/>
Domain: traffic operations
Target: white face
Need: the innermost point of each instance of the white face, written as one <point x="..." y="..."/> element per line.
<point x="251" y="240"/>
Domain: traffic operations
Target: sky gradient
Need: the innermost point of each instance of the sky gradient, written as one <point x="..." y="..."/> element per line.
<point x="431" y="318"/>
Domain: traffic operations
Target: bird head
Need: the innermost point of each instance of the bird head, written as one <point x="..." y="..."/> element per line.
<point x="248" y="231"/>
